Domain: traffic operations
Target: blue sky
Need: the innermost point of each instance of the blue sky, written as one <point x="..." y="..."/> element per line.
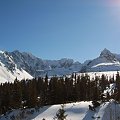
<point x="54" y="29"/>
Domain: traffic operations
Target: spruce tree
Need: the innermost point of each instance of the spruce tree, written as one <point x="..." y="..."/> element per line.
<point x="60" y="115"/>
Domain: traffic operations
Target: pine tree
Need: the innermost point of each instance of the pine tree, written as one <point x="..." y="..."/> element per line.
<point x="117" y="87"/>
<point x="60" y="115"/>
<point x="45" y="90"/>
<point x="103" y="83"/>
<point x="32" y="93"/>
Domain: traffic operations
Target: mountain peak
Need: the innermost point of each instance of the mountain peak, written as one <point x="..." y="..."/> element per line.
<point x="1" y="51"/>
<point x="105" y="52"/>
<point x="16" y="50"/>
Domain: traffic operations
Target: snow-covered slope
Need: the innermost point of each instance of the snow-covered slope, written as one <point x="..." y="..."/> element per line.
<point x="9" y="70"/>
<point x="8" y="76"/>
<point x="74" y="111"/>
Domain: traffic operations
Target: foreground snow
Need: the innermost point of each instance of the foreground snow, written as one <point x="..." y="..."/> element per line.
<point x="80" y="111"/>
<point x="74" y="111"/>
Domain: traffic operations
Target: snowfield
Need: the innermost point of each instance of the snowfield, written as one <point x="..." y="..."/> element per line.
<point x="75" y="111"/>
<point x="108" y="74"/>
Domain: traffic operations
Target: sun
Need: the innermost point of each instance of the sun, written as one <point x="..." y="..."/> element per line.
<point x="114" y="10"/>
<point x="114" y="3"/>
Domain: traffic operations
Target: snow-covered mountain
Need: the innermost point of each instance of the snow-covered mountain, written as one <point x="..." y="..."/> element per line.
<point x="107" y="61"/>
<point x="25" y="65"/>
<point x="39" y="67"/>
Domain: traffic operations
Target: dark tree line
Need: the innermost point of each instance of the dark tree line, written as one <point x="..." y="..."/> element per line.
<point x="58" y="90"/>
